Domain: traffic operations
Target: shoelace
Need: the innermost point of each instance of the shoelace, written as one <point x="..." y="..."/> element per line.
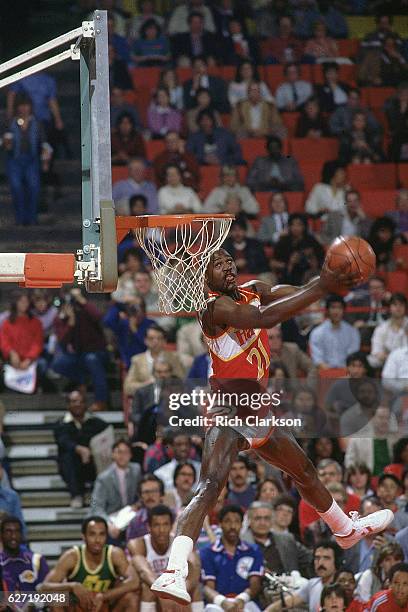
<point x="355" y="517"/>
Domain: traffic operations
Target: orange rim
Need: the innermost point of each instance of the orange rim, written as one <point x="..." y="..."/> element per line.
<point x="165" y="220"/>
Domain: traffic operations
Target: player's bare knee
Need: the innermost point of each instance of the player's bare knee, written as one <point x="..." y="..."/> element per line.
<point x="210" y="489"/>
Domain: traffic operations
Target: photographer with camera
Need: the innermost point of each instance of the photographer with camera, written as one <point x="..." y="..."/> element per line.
<point x="81" y="346"/>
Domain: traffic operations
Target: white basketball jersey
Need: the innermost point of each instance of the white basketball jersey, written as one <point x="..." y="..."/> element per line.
<point x="157" y="562"/>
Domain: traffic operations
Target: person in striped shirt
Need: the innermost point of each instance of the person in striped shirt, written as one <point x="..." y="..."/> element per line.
<point x="394" y="599"/>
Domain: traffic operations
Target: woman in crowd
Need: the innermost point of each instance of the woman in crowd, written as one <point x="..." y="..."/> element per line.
<point x="174" y="197"/>
<point x="168" y="80"/>
<point x="161" y="116"/>
<point x="360" y="145"/>
<point x="329" y="194"/>
<point x="374" y="579"/>
<point x="233" y="206"/>
<point x="322" y="447"/>
<point x="306" y="408"/>
<point x="229" y="183"/>
<point x="126" y="142"/>
<point x="321" y="46"/>
<point x="358" y="479"/>
<point x="238" y="89"/>
<point x="268" y="489"/>
<point x="238" y="47"/>
<point x="383" y="237"/>
<point x="274" y="225"/>
<point x="311" y="123"/>
<point x="203" y="102"/>
<point x="152" y="48"/>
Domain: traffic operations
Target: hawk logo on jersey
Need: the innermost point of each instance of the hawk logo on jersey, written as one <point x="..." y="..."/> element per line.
<point x="243" y="567"/>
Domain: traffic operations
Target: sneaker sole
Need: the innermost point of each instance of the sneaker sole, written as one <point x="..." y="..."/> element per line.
<point x="166" y="595"/>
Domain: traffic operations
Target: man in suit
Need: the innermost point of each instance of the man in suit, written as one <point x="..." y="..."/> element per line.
<point x="352" y="221"/>
<point x="196" y="42"/>
<point x="214" y="145"/>
<point x="201" y="79"/>
<point x="375" y="302"/>
<point x="275" y="172"/>
<point x="117" y="486"/>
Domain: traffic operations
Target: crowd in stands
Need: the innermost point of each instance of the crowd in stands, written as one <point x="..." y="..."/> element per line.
<point x="286" y="116"/>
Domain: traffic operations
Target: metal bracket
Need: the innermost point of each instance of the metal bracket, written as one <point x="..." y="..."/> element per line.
<point x="75" y="51"/>
<point x="88" y="29"/>
<point x="88" y="271"/>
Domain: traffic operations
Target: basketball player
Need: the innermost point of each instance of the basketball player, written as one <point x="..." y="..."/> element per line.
<point x="150" y="555"/>
<point x="234" y="325"/>
<point x="91" y="572"/>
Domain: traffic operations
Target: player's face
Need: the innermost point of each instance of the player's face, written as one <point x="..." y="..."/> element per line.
<point x="95" y="537"/>
<point x="231" y="526"/>
<point x="160" y="529"/>
<point x="399" y="588"/>
<point x="221" y="272"/>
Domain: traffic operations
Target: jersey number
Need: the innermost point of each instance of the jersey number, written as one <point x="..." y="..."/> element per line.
<point x="261" y="358"/>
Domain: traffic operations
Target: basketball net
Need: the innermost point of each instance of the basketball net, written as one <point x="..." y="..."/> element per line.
<point x="180" y="256"/>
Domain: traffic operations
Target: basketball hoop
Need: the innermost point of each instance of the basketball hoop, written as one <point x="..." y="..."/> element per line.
<point x="179" y="248"/>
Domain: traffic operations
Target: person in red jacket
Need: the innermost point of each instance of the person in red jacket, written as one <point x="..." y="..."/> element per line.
<point x="394" y="599"/>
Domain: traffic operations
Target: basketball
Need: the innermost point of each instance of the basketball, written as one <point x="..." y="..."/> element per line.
<point x="356" y="252"/>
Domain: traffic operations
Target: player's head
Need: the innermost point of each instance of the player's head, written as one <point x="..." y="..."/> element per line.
<point x="160" y="520"/>
<point x="230" y="519"/>
<point x="221" y="273"/>
<point x="11" y="534"/>
<point x="95" y="533"/>
<point x="399" y="583"/>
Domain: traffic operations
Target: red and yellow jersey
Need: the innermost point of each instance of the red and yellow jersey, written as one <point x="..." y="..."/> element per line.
<point x="239" y="353"/>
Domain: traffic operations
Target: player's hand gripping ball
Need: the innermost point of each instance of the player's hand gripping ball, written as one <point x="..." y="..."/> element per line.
<point x="352" y="255"/>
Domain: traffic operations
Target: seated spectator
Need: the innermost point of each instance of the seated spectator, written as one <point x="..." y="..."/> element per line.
<point x="183" y="480"/>
<point x="390" y="334"/>
<point x="285" y="47"/>
<point x="197" y="42"/>
<point x="150" y="554"/>
<point x="372" y="580"/>
<point x="360" y="146"/>
<point x="221" y="573"/>
<point x="317" y="531"/>
<point x="329" y="195"/>
<point x="321" y="447"/>
<point x="238" y="46"/>
<point x="358" y="480"/>
<point x="332" y="341"/>
<point x="169" y="80"/>
<point x="116" y="487"/>
<point x="119" y="75"/>
<point x="396" y="112"/>
<point x="351" y="221"/>
<point x="21" y="569"/>
<point x="346" y="579"/>
<point x="375" y="39"/>
<point x="116" y="37"/>
<point x="304" y="406"/>
<point x="256" y="118"/>
<point x="126" y="292"/>
<point x="226" y="12"/>
<point x="400" y="215"/>
<point x="174" y="197"/>
<point x="229" y="179"/>
<point x="213" y="145"/>
<point x="129" y="246"/>
<point x="240" y="491"/>
<point x="91" y="572"/>
<point x="298" y="254"/>
<point x="311" y="123"/>
<point x="332" y="93"/>
<point x="340" y="396"/>
<point x="401" y="538"/>
<point x="383" y="237"/>
<point x="396" y="596"/>
<point x="200" y="370"/>
<point x="146" y="13"/>
<point x="141" y="366"/>
<point x="135" y="184"/>
<point x="81" y="349"/>
<point x="150" y="493"/>
<point x="145" y="289"/>
<point x="44" y="310"/>
<point x="247" y="252"/>
<point x="394" y="68"/>
<point x="321" y="46"/>
<point x="10" y="503"/>
<point x="292" y="357"/>
<point x="308" y="14"/>
<point x="334" y="19"/>
<point x="175" y="154"/>
<point x="275" y="172"/>
<point x="129" y="324"/>
<point x="118" y="107"/>
<point x="333" y="597"/>
<point x="268" y="490"/>
<point x="189" y="342"/>
<point x="395" y="371"/>
<point x="400" y="459"/>
<point x="340" y="122"/>
<point x="284" y="511"/>
<point x="73" y="435"/>
<point x="152" y="47"/>
<point x="388" y="490"/>
<point x="179" y="18"/>
<point x="125" y="141"/>
<point x="375" y="302"/>
<point x="275" y="225"/>
<point x="161" y="116"/>
<point x="200" y="79"/>
<point x="238" y="88"/>
<point x="181" y="447"/>
<point x="359" y="415"/>
<point x="292" y="94"/>
<point x="203" y="102"/>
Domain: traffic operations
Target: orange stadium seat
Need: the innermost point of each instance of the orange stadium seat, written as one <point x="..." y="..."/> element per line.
<point x="273" y="74"/>
<point x="119" y="173"/>
<point x="347" y="74"/>
<point x="397" y="281"/>
<point x="183" y="74"/>
<point x="333" y="373"/>
<point x="372" y="176"/>
<point x="377" y="201"/>
<point x="252" y="148"/>
<point x="142" y="98"/>
<point x="228" y="73"/>
<point x="296" y="201"/>
<point x="210" y="178"/>
<point x="403" y="175"/>
<point x="263" y="197"/>
<point x="290" y="120"/>
<point x="311" y="172"/>
<point x="153" y="148"/>
<point x="348" y="47"/>
<point x="378" y="95"/>
<point x="314" y="150"/>
<point x="401" y="255"/>
<point x="147" y="78"/>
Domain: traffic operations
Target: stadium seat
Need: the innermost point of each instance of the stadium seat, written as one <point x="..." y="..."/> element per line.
<point x="147" y="78"/>
<point x="378" y="95"/>
<point x="397" y="281"/>
<point x="347" y="74"/>
<point x="153" y="148"/>
<point x="252" y="148"/>
<point x="143" y="98"/>
<point x="210" y="178"/>
<point x="296" y="201"/>
<point x="312" y="149"/>
<point x="401" y="255"/>
<point x="226" y="119"/>
<point x="348" y="47"/>
<point x="183" y="74"/>
<point x="403" y="175"/>
<point x="228" y="73"/>
<point x="119" y="173"/>
<point x="290" y="120"/>
<point x="377" y="201"/>
<point x="333" y="373"/>
<point x="311" y="172"/>
<point x="263" y="197"/>
<point x="372" y="176"/>
<point x="273" y="75"/>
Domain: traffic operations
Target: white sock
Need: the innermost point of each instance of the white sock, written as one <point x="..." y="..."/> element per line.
<point x="336" y="519"/>
<point x="148" y="606"/>
<point x="197" y="606"/>
<point x="181" y="548"/>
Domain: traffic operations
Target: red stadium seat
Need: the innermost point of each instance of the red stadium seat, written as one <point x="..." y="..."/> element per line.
<point x="119" y="173"/>
<point x="348" y="47"/>
<point x="210" y="178"/>
<point x="143" y="98"/>
<point x="226" y="119"/>
<point x="290" y="120"/>
<point x="378" y="95"/>
<point x="252" y="148"/>
<point x="397" y="281"/>
<point x="347" y="73"/>
<point x="372" y="176"/>
<point x="263" y="197"/>
<point x="153" y="148"/>
<point x="296" y="201"/>
<point x="311" y="172"/>
<point x="228" y="73"/>
<point x="401" y="255"/>
<point x="333" y="373"/>
<point x="273" y="75"/>
<point x="148" y="78"/>
<point x="403" y="175"/>
<point x="377" y="202"/>
<point x="311" y="149"/>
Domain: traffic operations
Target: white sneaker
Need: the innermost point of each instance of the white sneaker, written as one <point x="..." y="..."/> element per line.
<point x="362" y="526"/>
<point x="172" y="585"/>
<point x="76" y="502"/>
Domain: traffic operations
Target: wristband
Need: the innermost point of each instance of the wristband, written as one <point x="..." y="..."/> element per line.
<point x="244" y="596"/>
<point x="219" y="600"/>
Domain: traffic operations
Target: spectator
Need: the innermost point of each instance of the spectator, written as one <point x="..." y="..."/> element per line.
<point x="129" y="324"/>
<point x="141" y="366"/>
<point x="292" y="357"/>
<point x="21" y="569"/>
<point x="383" y="237"/>
<point x="224" y="13"/>
<point x="229" y="184"/>
<point x="200" y="370"/>
<point x="334" y="19"/>
<point x="240" y="490"/>
<point x="197" y="42"/>
<point x="180" y="444"/>
<point x="175" y="154"/>
<point x="125" y="141"/>
<point x="340" y="395"/>
<point x="117" y="39"/>
<point x="152" y="47"/>
<point x="321" y="46"/>
<point x="81" y="346"/>
<point x="203" y="102"/>
<point x="305" y="407"/>
<point x="360" y="414"/>
<point x="318" y="531"/>
<point x="237" y="46"/>
<point x="247" y="252"/>
<point x="388" y="490"/>
<point x="161" y="116"/>
<point x="329" y="195"/>
<point x="116" y="487"/>
<point x="292" y="94"/>
<point x="275" y="225"/>
<point x="400" y="459"/>
<point x="311" y="123"/>
<point x="150" y="555"/>
<point x="256" y="118"/>
<point x="189" y="342"/>
<point x="402" y="540"/>
<point x="298" y="254"/>
<point x="284" y="511"/>
<point x="390" y="334"/>
<point x="372" y="580"/>
<point x="179" y="18"/>
<point x="238" y="89"/>
<point x="308" y="14"/>
<point x="10" y="502"/>
<point x="184" y="478"/>
<point x="400" y="215"/>
<point x="332" y="93"/>
<point x="358" y="479"/>
<point x="333" y="598"/>
<point x="135" y="184"/>
<point x="119" y="75"/>
<point x="351" y="221"/>
<point x="268" y="490"/>
<point x="396" y="112"/>
<point x="341" y="120"/>
<point x="168" y="79"/>
<point x="322" y="447"/>
<point x="118" y="106"/>
<point x="375" y="302"/>
<point x="144" y="289"/>
<point x="394" y="67"/>
<point x="376" y="39"/>
<point x="146" y="13"/>
<point x="201" y="79"/>
<point x="26" y="152"/>
<point x="221" y="573"/>
<point x="275" y="172"/>
<point x="346" y="579"/>
<point x="213" y="145"/>
<point x="360" y="146"/>
<point x="150" y="492"/>
<point x="285" y="47"/>
<point x="125" y="292"/>
<point x="73" y="435"/>
<point x="91" y="572"/>
<point x="396" y="596"/>
<point x="174" y="197"/>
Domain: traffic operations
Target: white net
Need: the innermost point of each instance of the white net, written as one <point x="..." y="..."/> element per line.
<point x="180" y="256"/>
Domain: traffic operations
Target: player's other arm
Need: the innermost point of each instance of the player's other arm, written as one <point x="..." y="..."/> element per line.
<point x="55" y="581"/>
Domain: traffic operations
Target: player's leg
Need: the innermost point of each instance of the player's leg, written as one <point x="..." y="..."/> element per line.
<point x="282" y="451"/>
